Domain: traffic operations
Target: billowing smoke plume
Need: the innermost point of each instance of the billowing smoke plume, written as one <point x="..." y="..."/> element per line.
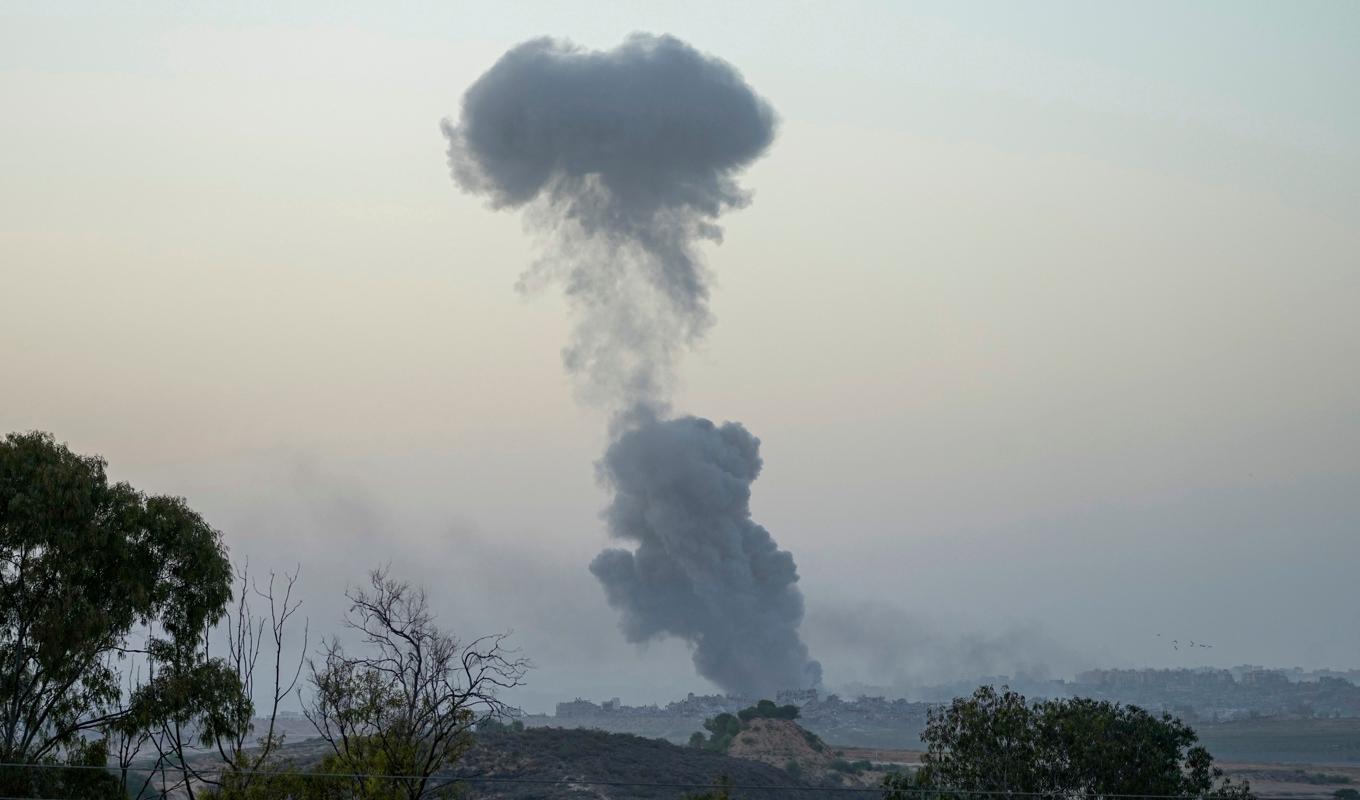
<point x="624" y="160"/>
<point x="702" y="569"/>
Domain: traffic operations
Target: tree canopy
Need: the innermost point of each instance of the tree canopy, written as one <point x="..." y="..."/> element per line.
<point x="84" y="565"/>
<point x="995" y="741"/>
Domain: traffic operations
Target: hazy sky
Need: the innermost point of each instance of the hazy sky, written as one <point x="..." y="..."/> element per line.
<point x="1045" y="316"/>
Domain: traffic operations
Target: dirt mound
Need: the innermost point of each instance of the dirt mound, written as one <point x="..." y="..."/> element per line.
<point x="785" y="744"/>
<point x="779" y="741"/>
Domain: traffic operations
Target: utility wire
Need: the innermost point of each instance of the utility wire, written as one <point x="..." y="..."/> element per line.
<point x="445" y="779"/>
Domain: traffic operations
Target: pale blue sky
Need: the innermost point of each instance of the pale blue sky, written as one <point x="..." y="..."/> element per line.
<point x="1045" y="313"/>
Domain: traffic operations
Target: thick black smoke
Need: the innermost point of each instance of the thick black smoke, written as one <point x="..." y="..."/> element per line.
<point x="627" y="158"/>
<point x="624" y="160"/>
<point x="703" y="570"/>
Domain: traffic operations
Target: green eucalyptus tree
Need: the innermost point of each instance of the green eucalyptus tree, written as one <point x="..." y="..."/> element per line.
<point x="92" y="572"/>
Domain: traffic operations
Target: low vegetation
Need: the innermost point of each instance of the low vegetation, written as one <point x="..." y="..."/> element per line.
<point x="1284" y="740"/>
<point x="650" y="768"/>
<point x="1295" y="775"/>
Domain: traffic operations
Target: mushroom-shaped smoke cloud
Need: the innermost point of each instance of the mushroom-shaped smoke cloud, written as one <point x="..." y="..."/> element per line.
<point x="625" y="159"/>
<point x="628" y="157"/>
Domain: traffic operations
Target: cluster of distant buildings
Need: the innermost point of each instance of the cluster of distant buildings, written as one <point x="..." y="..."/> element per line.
<point x="1199" y="695"/>
<point x="1216" y="695"/>
<point x="1202" y="694"/>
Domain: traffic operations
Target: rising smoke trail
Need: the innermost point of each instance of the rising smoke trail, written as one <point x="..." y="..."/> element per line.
<point x="624" y="160"/>
<point x="703" y="570"/>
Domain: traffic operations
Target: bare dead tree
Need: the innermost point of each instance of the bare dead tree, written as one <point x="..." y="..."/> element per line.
<point x="406" y="707"/>
<point x="225" y="723"/>
<point x="249" y="635"/>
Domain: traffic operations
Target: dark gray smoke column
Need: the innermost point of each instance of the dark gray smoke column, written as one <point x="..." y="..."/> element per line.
<point x="702" y="569"/>
<point x="624" y="160"/>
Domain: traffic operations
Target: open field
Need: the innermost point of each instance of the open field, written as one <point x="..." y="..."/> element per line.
<point x="879" y="755"/>
<point x="1294" y="780"/>
<point x="1301" y="741"/>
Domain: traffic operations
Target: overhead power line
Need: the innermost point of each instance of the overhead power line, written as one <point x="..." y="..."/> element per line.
<point x="444" y="780"/>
